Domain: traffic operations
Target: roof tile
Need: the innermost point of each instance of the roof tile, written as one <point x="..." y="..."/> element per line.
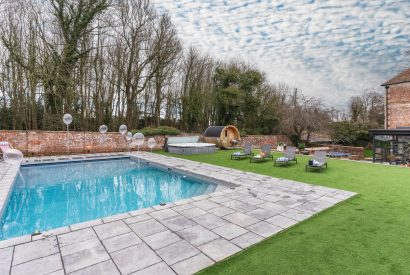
<point x="400" y="78"/>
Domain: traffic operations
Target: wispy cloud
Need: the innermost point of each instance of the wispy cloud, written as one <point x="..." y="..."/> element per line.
<point x="330" y="49"/>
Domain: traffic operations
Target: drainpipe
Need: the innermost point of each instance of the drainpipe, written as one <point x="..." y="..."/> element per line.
<point x="386" y="115"/>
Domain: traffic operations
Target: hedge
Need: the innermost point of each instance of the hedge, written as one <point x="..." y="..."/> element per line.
<point x="159" y="131"/>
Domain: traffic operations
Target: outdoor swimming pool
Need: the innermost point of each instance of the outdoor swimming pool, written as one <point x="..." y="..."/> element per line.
<point x="49" y="196"/>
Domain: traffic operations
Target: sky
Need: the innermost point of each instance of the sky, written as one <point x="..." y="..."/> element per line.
<point x="329" y="49"/>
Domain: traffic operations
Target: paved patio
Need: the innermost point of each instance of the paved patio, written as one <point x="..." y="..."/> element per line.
<point x="179" y="238"/>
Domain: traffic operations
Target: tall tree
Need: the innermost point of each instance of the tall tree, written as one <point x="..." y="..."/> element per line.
<point x="167" y="49"/>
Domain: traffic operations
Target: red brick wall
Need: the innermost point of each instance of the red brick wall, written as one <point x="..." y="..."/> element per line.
<point x="398" y="105"/>
<point x="258" y="140"/>
<point x="44" y="143"/>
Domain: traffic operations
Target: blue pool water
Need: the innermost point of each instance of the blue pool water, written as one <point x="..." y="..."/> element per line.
<point x="51" y="196"/>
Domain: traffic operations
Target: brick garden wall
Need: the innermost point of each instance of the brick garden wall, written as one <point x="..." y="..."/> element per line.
<point x="43" y="143"/>
<point x="398" y="105"/>
<point x="258" y="140"/>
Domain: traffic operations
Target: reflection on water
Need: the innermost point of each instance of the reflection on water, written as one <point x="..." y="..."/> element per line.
<point x="51" y="196"/>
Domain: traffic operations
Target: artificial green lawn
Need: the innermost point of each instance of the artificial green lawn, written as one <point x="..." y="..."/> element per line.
<point x="368" y="153"/>
<point x="368" y="234"/>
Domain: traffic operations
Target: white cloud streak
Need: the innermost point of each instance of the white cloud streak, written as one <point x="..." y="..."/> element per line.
<point x="330" y="49"/>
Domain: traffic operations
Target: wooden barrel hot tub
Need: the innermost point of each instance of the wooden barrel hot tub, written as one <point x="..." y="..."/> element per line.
<point x="224" y="137"/>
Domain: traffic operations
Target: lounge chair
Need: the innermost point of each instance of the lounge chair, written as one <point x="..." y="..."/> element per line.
<point x="264" y="154"/>
<point x="288" y="156"/>
<point x="14" y="154"/>
<point x="318" y="161"/>
<point x="247" y="152"/>
<point x="4" y="147"/>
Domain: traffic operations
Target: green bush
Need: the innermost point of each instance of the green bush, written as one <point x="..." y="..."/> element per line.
<point x="344" y="133"/>
<point x="159" y="131"/>
<point x="349" y="133"/>
<point x="295" y="139"/>
<point x="243" y="133"/>
<point x="250" y="131"/>
<point x="256" y="131"/>
<point x="363" y="138"/>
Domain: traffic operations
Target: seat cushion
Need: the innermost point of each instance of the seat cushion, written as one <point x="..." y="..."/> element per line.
<point x="316" y="163"/>
<point x="282" y="159"/>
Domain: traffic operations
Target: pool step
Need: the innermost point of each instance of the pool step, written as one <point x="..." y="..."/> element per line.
<point x="70" y="159"/>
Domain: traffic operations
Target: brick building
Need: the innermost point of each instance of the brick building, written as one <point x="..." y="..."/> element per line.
<point x="392" y="144"/>
<point x="397" y="113"/>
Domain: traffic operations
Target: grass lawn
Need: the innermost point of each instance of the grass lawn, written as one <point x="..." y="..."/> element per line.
<point x="368" y="153"/>
<point x="369" y="234"/>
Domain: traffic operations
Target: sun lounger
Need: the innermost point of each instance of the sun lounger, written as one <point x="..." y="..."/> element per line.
<point x="6" y="149"/>
<point x="247" y="152"/>
<point x="264" y="154"/>
<point x="288" y="156"/>
<point x="317" y="162"/>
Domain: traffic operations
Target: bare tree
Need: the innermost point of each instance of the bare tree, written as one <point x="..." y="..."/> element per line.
<point x="117" y="62"/>
<point x="367" y="109"/>
<point x="304" y="116"/>
<point x="167" y="49"/>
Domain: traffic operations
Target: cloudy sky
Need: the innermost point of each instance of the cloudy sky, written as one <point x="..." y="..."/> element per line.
<point x="330" y="49"/>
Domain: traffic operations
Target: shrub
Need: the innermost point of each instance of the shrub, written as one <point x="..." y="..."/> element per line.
<point x="363" y="138"/>
<point x="295" y="139"/>
<point x="250" y="131"/>
<point x="406" y="151"/>
<point x="243" y="133"/>
<point x="158" y="131"/>
<point x="344" y="133"/>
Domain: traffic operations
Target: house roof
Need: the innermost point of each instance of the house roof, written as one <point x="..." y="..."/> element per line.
<point x="400" y="78"/>
<point x="402" y="131"/>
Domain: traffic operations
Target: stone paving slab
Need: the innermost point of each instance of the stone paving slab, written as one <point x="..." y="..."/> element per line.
<point x="219" y="249"/>
<point x="111" y="229"/>
<point x="210" y="221"/>
<point x="182" y="237"/>
<point x="83" y="254"/>
<point x="34" y="250"/>
<point x="147" y="227"/>
<point x="39" y="266"/>
<point x="192" y="265"/>
<point x="177" y="252"/>
<point x="103" y="268"/>
<point x="6" y="254"/>
<point x="121" y="241"/>
<point x="197" y="235"/>
<point x="135" y="258"/>
<point x="230" y="231"/>
<point x="247" y="240"/>
<point x="156" y="269"/>
<point x="177" y="223"/>
<point x="161" y="239"/>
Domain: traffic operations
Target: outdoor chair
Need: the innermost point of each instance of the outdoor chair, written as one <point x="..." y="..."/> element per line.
<point x="7" y="149"/>
<point x="4" y="147"/>
<point x="247" y="152"/>
<point x="288" y="156"/>
<point x="318" y="161"/>
<point x="264" y="154"/>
